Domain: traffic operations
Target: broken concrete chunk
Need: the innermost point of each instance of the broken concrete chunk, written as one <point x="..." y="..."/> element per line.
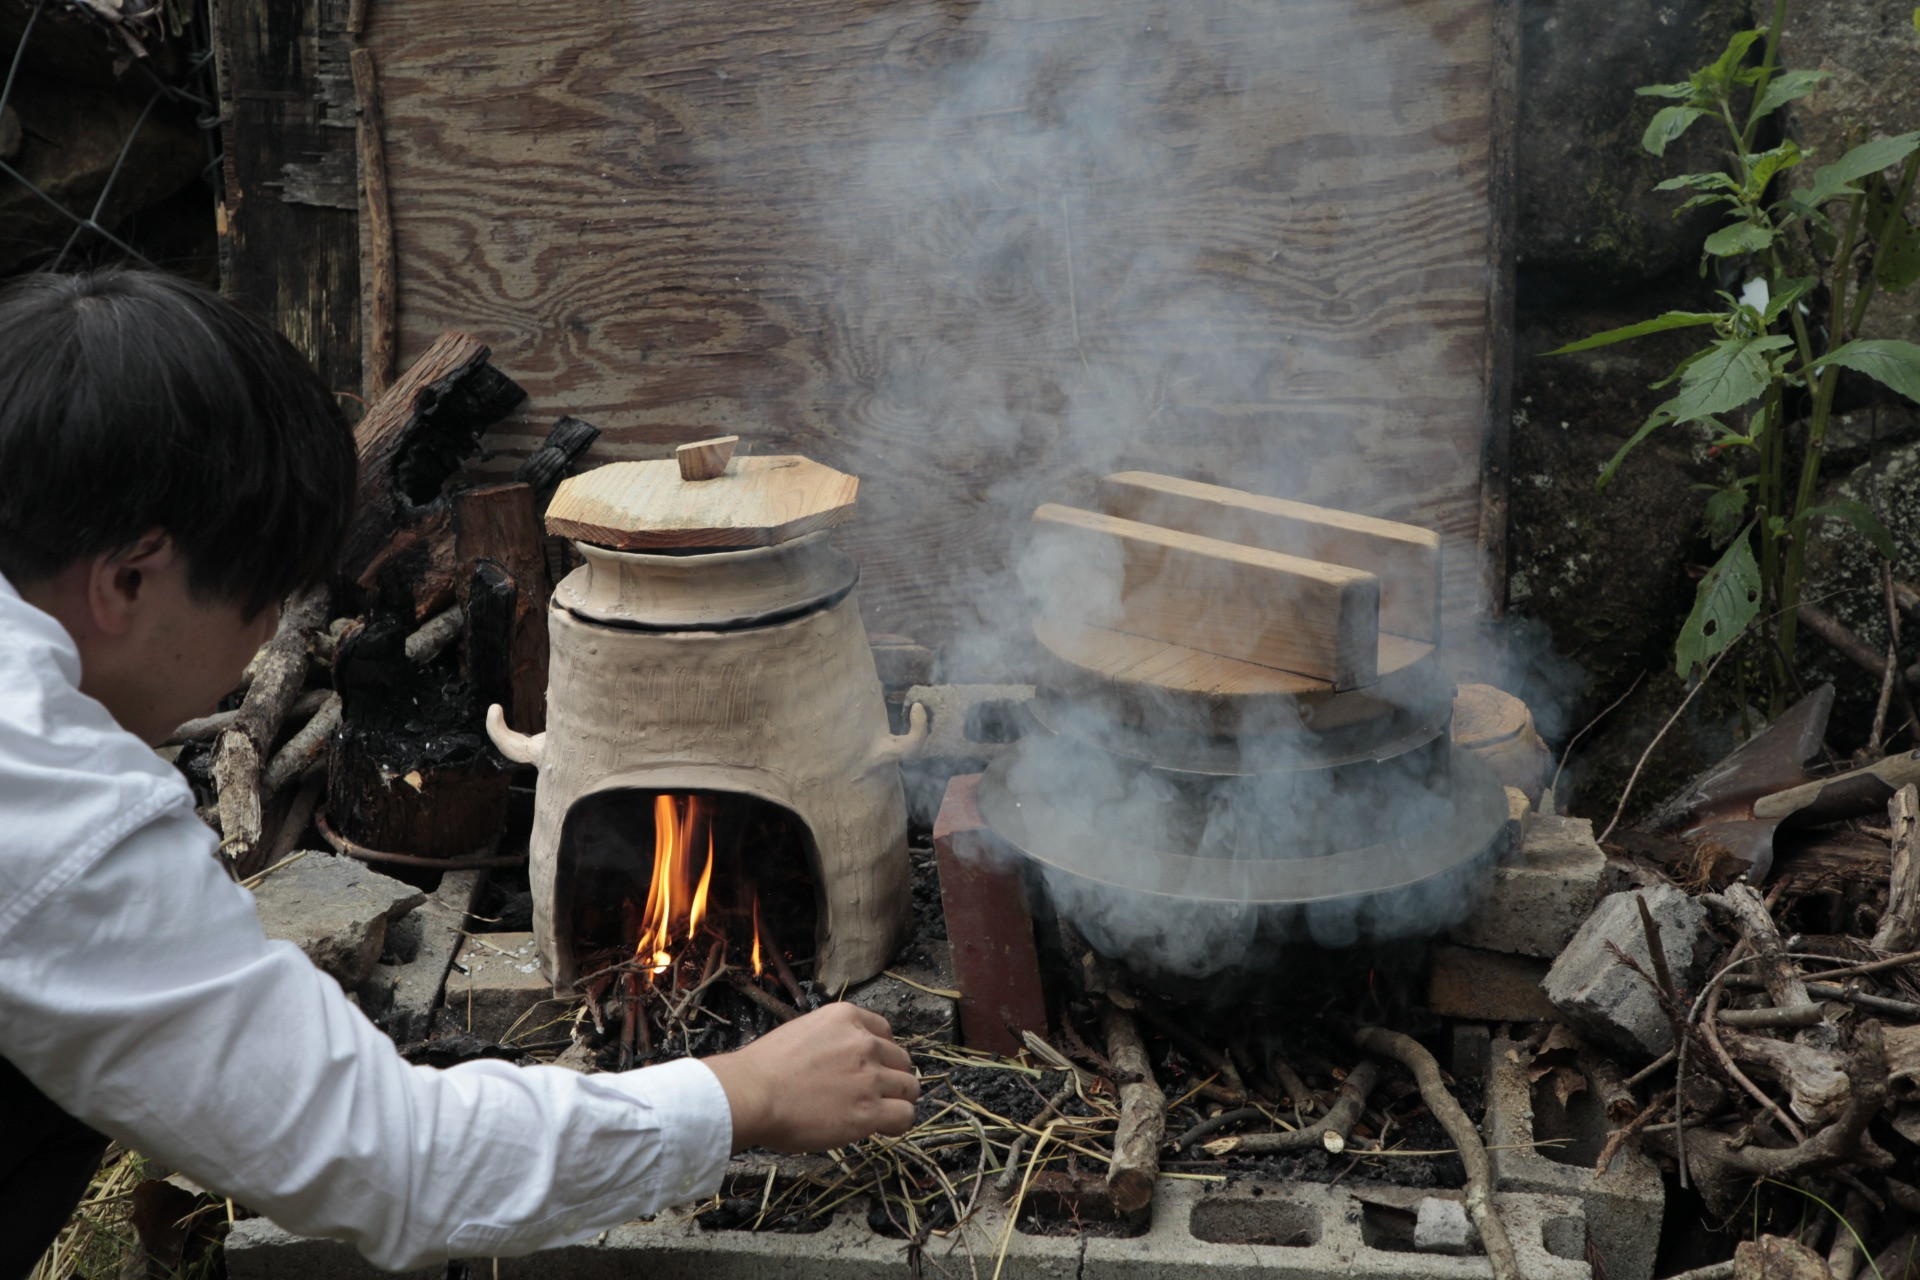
<point x="913" y="1009"/>
<point x="1608" y="1002"/>
<point x="1441" y="1226"/>
<point x="419" y="950"/>
<point x="496" y="991"/>
<point x="336" y="910"/>
<point x="1540" y="896"/>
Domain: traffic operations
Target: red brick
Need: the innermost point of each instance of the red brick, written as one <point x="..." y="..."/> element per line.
<point x="984" y="896"/>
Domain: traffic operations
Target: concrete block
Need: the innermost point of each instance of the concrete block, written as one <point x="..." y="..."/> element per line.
<point x="496" y="990"/>
<point x="1622" y="1207"/>
<point x="402" y="995"/>
<point x="911" y="1009"/>
<point x="983" y="895"/>
<point x="1605" y="1000"/>
<point x="1541" y="895"/>
<point x="1486" y="986"/>
<point x="1442" y="1226"/>
<point x="1251" y="1231"/>
<point x="336" y="910"/>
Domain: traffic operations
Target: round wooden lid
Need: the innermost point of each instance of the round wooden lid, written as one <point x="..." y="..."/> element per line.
<point x="754" y="502"/>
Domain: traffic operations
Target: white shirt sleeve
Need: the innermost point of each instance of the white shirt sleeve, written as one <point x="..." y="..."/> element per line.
<point x="140" y="994"/>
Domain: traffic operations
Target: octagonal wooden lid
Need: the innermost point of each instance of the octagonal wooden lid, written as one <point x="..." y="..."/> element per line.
<point x="755" y="502"/>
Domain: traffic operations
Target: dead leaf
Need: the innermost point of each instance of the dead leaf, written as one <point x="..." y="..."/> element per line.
<point x="1560" y="1039"/>
<point x="1566" y="1082"/>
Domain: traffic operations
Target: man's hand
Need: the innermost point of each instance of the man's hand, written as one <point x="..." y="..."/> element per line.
<point x="830" y="1078"/>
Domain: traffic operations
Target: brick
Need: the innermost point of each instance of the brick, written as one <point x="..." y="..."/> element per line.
<point x="983" y="893"/>
<point x="1541" y="895"/>
<point x="496" y="989"/>
<point x="1486" y="986"/>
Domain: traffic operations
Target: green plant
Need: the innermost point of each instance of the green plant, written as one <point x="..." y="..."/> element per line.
<point x="1772" y="362"/>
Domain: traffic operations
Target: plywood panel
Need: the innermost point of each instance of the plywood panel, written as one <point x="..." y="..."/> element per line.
<point x="976" y="253"/>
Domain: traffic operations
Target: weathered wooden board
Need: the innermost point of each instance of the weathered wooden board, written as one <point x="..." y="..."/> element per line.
<point x="977" y="253"/>
<point x="1264" y="607"/>
<point x="1405" y="558"/>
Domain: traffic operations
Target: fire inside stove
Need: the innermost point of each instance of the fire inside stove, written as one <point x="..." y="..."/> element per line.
<point x="665" y="896"/>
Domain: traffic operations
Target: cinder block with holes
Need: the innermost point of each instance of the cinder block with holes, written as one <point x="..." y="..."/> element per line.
<point x="1252" y="1231"/>
<point x="1622" y="1206"/>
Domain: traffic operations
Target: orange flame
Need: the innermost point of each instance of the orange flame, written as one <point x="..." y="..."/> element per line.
<point x="672" y="909"/>
<point x="758" y="967"/>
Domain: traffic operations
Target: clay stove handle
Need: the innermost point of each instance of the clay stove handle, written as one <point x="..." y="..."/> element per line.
<point x="517" y="747"/>
<point x="896" y="747"/>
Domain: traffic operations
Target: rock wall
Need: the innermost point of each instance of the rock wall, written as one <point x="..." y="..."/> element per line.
<point x="1610" y="576"/>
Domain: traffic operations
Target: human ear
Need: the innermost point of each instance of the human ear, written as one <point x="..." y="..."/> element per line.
<point x="117" y="581"/>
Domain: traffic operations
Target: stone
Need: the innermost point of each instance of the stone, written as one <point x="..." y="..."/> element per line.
<point x="912" y="1009"/>
<point x="1868" y="46"/>
<point x="497" y="992"/>
<point x="1542" y="893"/>
<point x="334" y="909"/>
<point x="420" y="948"/>
<point x="1486" y="986"/>
<point x="1622" y="1206"/>
<point x="1777" y="1258"/>
<point x="1586" y="211"/>
<point x="1442" y="1226"/>
<point x="1605" y="1000"/>
<point x="983" y="896"/>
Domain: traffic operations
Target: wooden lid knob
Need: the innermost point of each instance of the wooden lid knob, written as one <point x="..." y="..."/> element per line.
<point x="706" y="459"/>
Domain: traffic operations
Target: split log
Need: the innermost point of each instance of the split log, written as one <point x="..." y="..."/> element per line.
<point x="434" y="635"/>
<point x="1459" y="1127"/>
<point x="497" y="523"/>
<point x="410" y="444"/>
<point x="1782" y="979"/>
<point x="1900" y="927"/>
<point x="279" y="673"/>
<point x="542" y="471"/>
<point x="1815" y="1079"/>
<point x="1143" y="1115"/>
<point x="209" y="725"/>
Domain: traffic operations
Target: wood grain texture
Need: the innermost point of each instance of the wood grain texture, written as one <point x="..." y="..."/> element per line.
<point x="634" y="506"/>
<point x="290" y="251"/>
<point x="1265" y="607"/>
<point x="706" y="459"/>
<point x="977" y="254"/>
<point x="1406" y="559"/>
<point x="498" y="523"/>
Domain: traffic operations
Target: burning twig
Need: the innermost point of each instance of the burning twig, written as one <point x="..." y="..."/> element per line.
<point x="1473" y="1154"/>
<point x="1143" y="1115"/>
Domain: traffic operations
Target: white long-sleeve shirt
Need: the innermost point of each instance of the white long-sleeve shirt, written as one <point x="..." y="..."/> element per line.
<point x="139" y="993"/>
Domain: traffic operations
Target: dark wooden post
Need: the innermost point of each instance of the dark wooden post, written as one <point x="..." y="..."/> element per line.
<point x="290" y="239"/>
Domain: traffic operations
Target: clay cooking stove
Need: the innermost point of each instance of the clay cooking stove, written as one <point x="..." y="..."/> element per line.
<point x="718" y="772"/>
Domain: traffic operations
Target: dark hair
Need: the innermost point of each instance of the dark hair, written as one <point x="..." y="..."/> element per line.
<point x="131" y="400"/>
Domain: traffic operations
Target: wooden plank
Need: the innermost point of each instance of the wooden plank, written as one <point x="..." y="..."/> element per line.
<point x="972" y="254"/>
<point x="1406" y="559"/>
<point x="290" y="247"/>
<point x="757" y="502"/>
<point x="1265" y="607"/>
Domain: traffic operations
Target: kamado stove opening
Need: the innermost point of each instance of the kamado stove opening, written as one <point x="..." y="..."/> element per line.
<point x="658" y="892"/>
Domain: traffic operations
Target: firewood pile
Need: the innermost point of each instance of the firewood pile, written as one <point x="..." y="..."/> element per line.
<point x="360" y="725"/>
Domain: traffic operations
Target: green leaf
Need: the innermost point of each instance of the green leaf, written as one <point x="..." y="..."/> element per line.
<point x="1683" y="90"/>
<point x="1727" y="601"/>
<point x="1658" y="418"/>
<point x="1725" y="507"/>
<point x="1732" y="372"/>
<point x="1740" y="237"/>
<point x="1764" y="166"/>
<point x="1725" y="68"/>
<point x="1836" y="179"/>
<point x="1862" y="518"/>
<point x="1667" y="124"/>
<point x="1714" y="181"/>
<point x="1896" y="262"/>
<point x="1784" y="293"/>
<point x="1888" y="361"/>
<point x="1787" y="86"/>
<point x="1670" y="320"/>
